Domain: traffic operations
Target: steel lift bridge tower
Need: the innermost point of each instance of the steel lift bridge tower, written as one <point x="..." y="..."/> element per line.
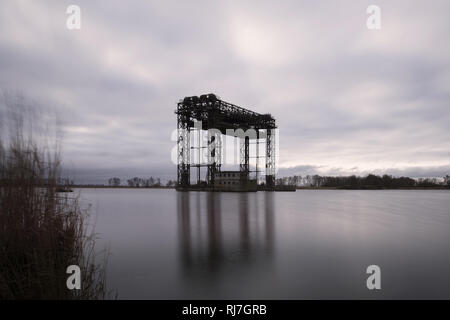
<point x="213" y="113"/>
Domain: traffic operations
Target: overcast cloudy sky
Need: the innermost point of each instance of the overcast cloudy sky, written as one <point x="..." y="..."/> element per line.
<point x="346" y="99"/>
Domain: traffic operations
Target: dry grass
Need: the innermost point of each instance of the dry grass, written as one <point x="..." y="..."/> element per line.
<point x="42" y="231"/>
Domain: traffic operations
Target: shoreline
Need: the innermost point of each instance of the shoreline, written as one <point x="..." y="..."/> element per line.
<point x="118" y="187"/>
<point x="375" y="188"/>
<point x="298" y="188"/>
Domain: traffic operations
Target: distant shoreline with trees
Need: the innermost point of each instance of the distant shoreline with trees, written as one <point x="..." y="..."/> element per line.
<point x="103" y="186"/>
<point x="369" y="182"/>
<point x="309" y="182"/>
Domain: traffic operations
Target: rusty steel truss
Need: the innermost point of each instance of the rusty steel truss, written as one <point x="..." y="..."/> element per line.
<point x="214" y="113"/>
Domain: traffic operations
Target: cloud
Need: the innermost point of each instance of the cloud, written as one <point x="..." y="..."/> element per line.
<point x="343" y="96"/>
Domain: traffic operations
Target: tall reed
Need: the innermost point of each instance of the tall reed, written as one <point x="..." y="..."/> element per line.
<point x="42" y="231"/>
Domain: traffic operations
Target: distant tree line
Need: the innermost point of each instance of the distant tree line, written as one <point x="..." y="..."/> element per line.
<point x="114" y="182"/>
<point x="356" y="182"/>
<point x="138" y="182"/>
<point x="316" y="181"/>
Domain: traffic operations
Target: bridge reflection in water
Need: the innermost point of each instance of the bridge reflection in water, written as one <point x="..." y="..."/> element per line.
<point x="224" y="231"/>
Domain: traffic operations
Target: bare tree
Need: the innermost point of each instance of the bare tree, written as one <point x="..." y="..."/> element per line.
<point x="114" y="182"/>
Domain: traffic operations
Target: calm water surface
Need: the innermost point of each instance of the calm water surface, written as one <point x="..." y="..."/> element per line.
<point x="311" y="244"/>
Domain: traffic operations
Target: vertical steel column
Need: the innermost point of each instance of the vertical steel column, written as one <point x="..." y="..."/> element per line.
<point x="242" y="155"/>
<point x="211" y="159"/>
<point x="244" y="166"/>
<point x="257" y="156"/>
<point x="218" y="138"/>
<point x="247" y="154"/>
<point x="213" y="142"/>
<point x="214" y="155"/>
<point x="270" y="159"/>
<point x="183" y="148"/>
<point x="199" y="146"/>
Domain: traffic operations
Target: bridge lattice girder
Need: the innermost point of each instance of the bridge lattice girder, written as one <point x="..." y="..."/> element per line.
<point x="215" y="113"/>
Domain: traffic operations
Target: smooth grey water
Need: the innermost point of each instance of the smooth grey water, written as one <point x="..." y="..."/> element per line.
<point x="311" y="244"/>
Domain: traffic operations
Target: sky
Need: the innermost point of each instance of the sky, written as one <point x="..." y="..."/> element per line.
<point x="347" y="99"/>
